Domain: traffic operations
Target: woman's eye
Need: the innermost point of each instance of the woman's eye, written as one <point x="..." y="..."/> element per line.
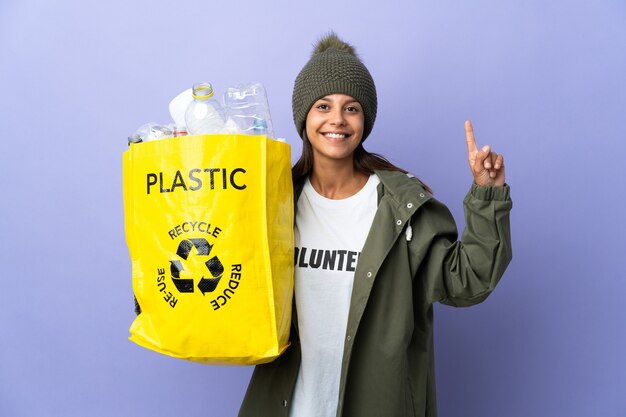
<point x="322" y="106"/>
<point x="352" y="109"/>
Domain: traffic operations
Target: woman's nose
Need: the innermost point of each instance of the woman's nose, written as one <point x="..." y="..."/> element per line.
<point x="337" y="117"/>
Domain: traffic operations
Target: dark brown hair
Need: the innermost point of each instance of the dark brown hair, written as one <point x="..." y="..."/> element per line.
<point x="364" y="162"/>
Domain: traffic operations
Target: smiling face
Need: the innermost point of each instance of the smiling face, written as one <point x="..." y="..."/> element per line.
<point x="334" y="126"/>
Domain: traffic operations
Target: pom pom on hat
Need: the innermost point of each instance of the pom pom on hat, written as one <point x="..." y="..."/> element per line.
<point x="334" y="68"/>
<point x="332" y="41"/>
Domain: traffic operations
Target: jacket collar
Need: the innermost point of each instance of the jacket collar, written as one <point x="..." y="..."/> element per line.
<point x="405" y="191"/>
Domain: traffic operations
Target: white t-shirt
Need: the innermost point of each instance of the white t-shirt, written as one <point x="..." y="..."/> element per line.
<point x="329" y="237"/>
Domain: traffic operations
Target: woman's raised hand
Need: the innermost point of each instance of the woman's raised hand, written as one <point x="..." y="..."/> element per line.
<point x="487" y="167"/>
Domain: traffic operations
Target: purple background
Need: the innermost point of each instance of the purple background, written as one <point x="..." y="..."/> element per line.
<point x="542" y="81"/>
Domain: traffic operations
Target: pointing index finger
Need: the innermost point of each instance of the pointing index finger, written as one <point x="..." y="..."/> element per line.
<point x="469" y="137"/>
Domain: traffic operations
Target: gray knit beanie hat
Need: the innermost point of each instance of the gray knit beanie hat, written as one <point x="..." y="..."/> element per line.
<point x="334" y="68"/>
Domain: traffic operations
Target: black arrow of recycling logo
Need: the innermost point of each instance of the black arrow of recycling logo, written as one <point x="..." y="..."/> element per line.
<point x="214" y="266"/>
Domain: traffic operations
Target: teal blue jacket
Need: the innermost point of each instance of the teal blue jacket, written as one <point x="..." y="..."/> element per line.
<point x="411" y="259"/>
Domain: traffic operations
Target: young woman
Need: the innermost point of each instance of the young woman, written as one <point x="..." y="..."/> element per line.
<point x="374" y="251"/>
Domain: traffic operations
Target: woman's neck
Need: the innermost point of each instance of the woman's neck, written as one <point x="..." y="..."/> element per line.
<point x="337" y="182"/>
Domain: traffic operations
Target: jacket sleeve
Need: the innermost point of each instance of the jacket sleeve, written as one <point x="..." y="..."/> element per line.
<point x="463" y="273"/>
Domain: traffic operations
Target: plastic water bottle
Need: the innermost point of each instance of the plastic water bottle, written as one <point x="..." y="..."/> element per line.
<point x="247" y="105"/>
<point x="150" y="131"/>
<point x="204" y="115"/>
<point x="177" y="129"/>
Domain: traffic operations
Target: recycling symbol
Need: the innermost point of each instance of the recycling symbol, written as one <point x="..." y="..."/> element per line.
<point x="214" y="267"/>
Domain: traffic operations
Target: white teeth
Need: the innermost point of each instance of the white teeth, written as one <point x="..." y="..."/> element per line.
<point x="335" y="135"/>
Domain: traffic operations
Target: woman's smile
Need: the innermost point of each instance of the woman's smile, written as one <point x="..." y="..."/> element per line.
<point x="335" y="136"/>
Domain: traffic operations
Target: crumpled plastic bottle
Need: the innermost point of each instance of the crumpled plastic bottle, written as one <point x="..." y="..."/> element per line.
<point x="150" y="131"/>
<point x="247" y="105"/>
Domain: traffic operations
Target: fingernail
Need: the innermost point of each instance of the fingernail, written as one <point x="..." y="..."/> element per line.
<point x="485" y="149"/>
